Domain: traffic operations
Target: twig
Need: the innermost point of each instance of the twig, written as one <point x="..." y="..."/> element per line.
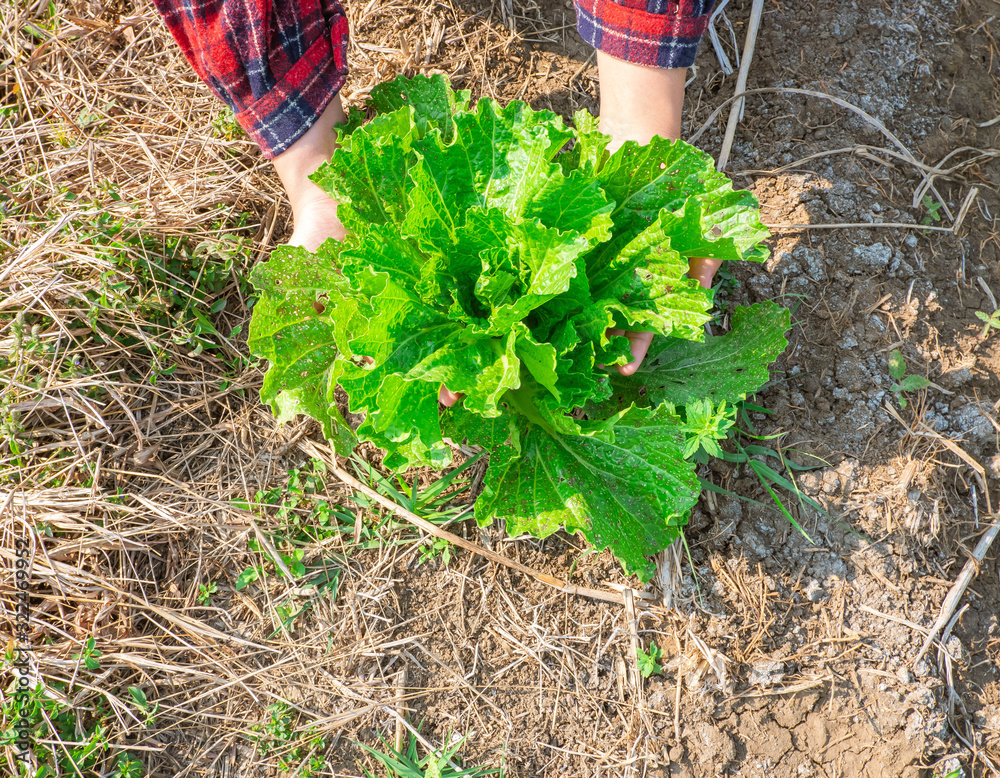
<point x="858" y="225"/>
<point x="633" y="631"/>
<point x="808" y="93"/>
<point x="400" y="700"/>
<point x="736" y="112"/>
<point x="961" y="584"/>
<point x="598" y="594"/>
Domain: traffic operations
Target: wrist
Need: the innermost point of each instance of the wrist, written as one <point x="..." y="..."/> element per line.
<point x="303" y="157"/>
<point x="638" y="102"/>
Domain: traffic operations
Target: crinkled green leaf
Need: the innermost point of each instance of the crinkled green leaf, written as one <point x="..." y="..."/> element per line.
<point x="631" y="494"/>
<point x="897" y="365"/>
<point x="722" y="368"/>
<point x="590" y="149"/>
<point x="481" y="368"/>
<point x="645" y="284"/>
<point x="912" y="383"/>
<point x="302" y="294"/>
<point x="666" y="174"/>
<point x="369" y="182"/>
<point x="462" y="425"/>
<point x="431" y="98"/>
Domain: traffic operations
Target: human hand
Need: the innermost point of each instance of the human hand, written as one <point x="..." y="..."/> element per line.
<point x="701" y="270"/>
<point x="314" y="213"/>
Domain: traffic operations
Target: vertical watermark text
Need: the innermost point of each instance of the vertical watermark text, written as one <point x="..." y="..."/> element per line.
<point x="22" y="650"/>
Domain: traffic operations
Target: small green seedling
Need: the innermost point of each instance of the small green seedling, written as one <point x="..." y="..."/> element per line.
<point x="990" y="321"/>
<point x="90" y="655"/>
<point x="299" y="750"/>
<point x="439" y="549"/>
<point x="434" y="765"/>
<point x="649" y="663"/>
<point x="933" y="208"/>
<point x="205" y="592"/>
<point x="144" y="705"/>
<point x="705" y="425"/>
<point x="127" y="766"/>
<point x="904" y="382"/>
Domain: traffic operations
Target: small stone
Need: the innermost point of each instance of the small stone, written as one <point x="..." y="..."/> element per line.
<point x="814" y="592"/>
<point x="874" y="257"/>
<point x="904" y="675"/>
<point x="767" y="673"/>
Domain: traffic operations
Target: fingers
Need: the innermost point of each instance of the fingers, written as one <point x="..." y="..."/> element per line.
<point x="447" y="397"/>
<point x="703" y="270"/>
<point x="640" y="345"/>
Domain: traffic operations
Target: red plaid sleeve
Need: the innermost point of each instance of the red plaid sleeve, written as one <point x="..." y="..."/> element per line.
<point x="277" y="63"/>
<point x="655" y="33"/>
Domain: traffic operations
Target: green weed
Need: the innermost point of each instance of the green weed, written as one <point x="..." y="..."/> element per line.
<point x="990" y="321"/>
<point x="436" y="548"/>
<point x="225" y="126"/>
<point x="434" y="765"/>
<point x="649" y="662"/>
<point x="904" y="382"/>
<point x="299" y="751"/>
<point x="148" y="710"/>
<point x="65" y="740"/>
<point x="932" y="210"/>
<point x="205" y="592"/>
<point x="704" y="426"/>
<point x="430" y="502"/>
<point x="756" y="457"/>
<point x="302" y="520"/>
<point x="90" y="656"/>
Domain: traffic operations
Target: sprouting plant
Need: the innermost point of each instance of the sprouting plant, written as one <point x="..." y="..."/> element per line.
<point x="434" y="765"/>
<point x="904" y="382"/>
<point x="225" y="126"/>
<point x="932" y="210"/>
<point x="299" y="750"/>
<point x="205" y="592"/>
<point x="486" y="255"/>
<point x="704" y="426"/>
<point x="127" y="766"/>
<point x="430" y="502"/>
<point x="649" y="662"/>
<point x="990" y="321"/>
<point x="64" y="739"/>
<point x="438" y="548"/>
<point x="144" y="705"/>
<point x="90" y="656"/>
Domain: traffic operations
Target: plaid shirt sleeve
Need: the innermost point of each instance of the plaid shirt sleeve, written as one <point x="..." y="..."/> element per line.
<point x="277" y="63"/>
<point x="655" y="33"/>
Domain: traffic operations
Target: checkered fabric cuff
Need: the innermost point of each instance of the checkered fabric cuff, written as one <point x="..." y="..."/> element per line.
<point x="276" y="64"/>
<point x="292" y="106"/>
<point x="655" y="33"/>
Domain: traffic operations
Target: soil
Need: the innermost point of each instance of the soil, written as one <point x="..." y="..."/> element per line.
<point x="783" y="657"/>
<point x="818" y="640"/>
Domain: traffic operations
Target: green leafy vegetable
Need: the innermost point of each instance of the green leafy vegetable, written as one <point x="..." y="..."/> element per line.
<point x="492" y="250"/>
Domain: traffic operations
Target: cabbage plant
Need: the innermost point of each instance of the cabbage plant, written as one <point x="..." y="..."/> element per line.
<point x="496" y="250"/>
